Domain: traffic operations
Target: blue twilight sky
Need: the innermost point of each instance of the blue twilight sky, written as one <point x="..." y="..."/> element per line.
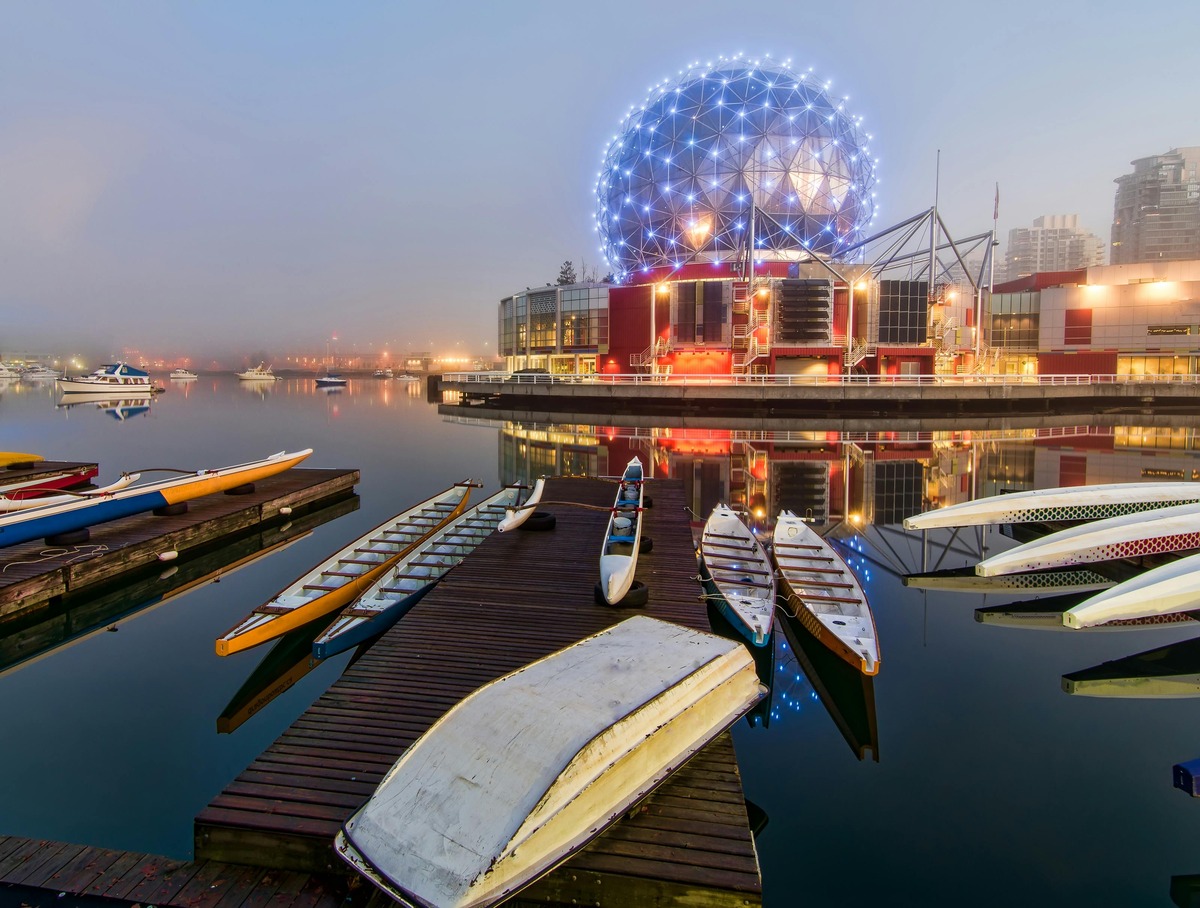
<point x="215" y="177"/>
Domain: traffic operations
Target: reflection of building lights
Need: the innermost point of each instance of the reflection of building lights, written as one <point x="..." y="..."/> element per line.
<point x="856" y="518"/>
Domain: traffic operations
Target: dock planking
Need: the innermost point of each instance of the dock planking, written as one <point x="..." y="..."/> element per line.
<point x="517" y="598"/>
<point x="34" y="574"/>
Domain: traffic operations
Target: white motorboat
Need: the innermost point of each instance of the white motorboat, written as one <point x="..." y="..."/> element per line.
<point x="183" y="375"/>
<point x="1068" y="503"/>
<point x="261" y="372"/>
<point x="528" y="769"/>
<point x="1164" y="530"/>
<point x="115" y="379"/>
<point x="737" y="575"/>
<point x="824" y="593"/>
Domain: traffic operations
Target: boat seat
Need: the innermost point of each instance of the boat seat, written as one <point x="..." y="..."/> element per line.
<point x="813" y="570"/>
<point x="726" y="545"/>
<point x="738" y="580"/>
<point x="797" y="545"/>
<point x="725" y="536"/>
<point x="323" y="587"/>
<point x="804" y="596"/>
<point x="628" y="539"/>
<point x="741" y="570"/>
<point x="268" y="609"/>
<point x="356" y="611"/>
<point x="346" y="573"/>
<point x="358" y="560"/>
<point x="821" y="584"/>
<point x="822" y="560"/>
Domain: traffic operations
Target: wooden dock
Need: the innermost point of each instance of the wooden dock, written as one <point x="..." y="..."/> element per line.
<point x="35" y="576"/>
<point x="518" y="597"/>
<point x="267" y="838"/>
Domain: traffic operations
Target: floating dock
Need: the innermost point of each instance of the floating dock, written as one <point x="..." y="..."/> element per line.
<point x="518" y="597"/>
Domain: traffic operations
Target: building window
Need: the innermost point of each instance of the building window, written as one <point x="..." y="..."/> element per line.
<point x="1078" y="327"/>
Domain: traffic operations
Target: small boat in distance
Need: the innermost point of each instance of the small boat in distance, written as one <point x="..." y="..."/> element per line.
<point x="622" y="537"/>
<point x="737" y="575"/>
<point x="261" y="372"/>
<point x="347" y="574"/>
<point x="331" y="380"/>
<point x="824" y="594"/>
<point x="183" y="375"/>
<point x="1060" y="504"/>
<point x="531" y="767"/>
<point x="382" y="373"/>
<point x="38" y="372"/>
<point x="404" y="376"/>
<point x="116" y="379"/>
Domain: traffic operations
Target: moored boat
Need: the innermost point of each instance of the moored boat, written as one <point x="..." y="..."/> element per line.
<point x="404" y="376"/>
<point x="567" y="745"/>
<point x="183" y="375"/>
<point x="824" y="594"/>
<point x="116" y="379"/>
<point x="1069" y="503"/>
<point x="261" y="372"/>
<point x="23" y="500"/>
<point x="382" y="373"/>
<point x="38" y="372"/>
<point x="737" y="574"/>
<point x="347" y="574"/>
<point x="332" y="380"/>
<point x="83" y="512"/>
<point x="413" y="576"/>
<point x="622" y="538"/>
<point x="43" y="482"/>
<point x="1173" y="529"/>
<point x="1165" y="590"/>
<point x="514" y="517"/>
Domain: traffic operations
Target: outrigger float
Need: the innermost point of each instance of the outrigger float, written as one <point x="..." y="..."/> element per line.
<point x="84" y="511"/>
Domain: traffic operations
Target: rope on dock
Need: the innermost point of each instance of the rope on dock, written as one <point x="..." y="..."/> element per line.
<point x="75" y="552"/>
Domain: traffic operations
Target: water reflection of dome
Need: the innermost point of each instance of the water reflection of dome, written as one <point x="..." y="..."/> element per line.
<point x="678" y="180"/>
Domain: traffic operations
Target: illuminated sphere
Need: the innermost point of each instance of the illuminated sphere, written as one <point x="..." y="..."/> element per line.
<point x="677" y="180"/>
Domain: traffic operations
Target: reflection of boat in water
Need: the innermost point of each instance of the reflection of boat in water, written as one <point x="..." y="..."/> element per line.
<point x="1164" y="590"/>
<point x="118" y="408"/>
<point x="531" y="767"/>
<point x="821" y="590"/>
<point x="1168" y="671"/>
<point x="965" y="580"/>
<point x="1173" y="529"/>
<point x="1047" y="614"/>
<point x="1096" y="502"/>
<point x="846" y="693"/>
<point x="79" y="615"/>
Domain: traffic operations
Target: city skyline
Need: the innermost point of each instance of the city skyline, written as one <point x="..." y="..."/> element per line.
<point x="219" y="179"/>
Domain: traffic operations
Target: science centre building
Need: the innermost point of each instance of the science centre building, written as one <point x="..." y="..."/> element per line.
<point x="734" y="208"/>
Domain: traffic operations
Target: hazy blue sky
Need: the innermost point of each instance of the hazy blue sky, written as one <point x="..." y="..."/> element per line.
<point x="237" y="176"/>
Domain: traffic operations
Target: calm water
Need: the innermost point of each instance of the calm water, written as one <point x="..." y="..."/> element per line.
<point x="992" y="786"/>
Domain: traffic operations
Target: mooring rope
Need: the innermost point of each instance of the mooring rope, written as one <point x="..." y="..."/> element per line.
<point x="76" y="552"/>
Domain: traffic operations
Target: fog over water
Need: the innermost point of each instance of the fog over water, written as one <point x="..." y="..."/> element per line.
<point x="213" y="180"/>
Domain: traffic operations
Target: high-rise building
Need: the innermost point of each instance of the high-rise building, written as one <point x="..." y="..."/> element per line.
<point x="1156" y="216"/>
<point x="1055" y="242"/>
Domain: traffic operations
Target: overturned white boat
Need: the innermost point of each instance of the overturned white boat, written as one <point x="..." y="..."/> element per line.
<point x="1096" y="502"/>
<point x="531" y="767"/>
<point x="1174" y="529"/>
<point x="1167" y="590"/>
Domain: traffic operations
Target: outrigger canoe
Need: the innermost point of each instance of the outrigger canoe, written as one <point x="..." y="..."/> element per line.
<point x="622" y="536"/>
<point x="347" y="574"/>
<point x="1174" y="529"/>
<point x="1165" y="590"/>
<point x="408" y="581"/>
<point x="514" y="517"/>
<point x="824" y="593"/>
<point x="1096" y="502"/>
<point x="32" y="487"/>
<point x="18" y="503"/>
<point x="528" y="769"/>
<point x="86" y="511"/>
<point x="737" y="575"/>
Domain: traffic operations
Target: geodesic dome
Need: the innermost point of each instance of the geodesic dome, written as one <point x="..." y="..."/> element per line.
<point x="677" y="180"/>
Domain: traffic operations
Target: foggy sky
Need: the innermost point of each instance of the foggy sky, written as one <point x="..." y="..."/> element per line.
<point x="224" y="178"/>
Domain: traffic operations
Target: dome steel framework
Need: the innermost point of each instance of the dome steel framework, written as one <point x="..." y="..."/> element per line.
<point x="680" y="180"/>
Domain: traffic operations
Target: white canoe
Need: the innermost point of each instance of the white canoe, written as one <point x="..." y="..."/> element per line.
<point x="516" y="516"/>
<point x="824" y="594"/>
<point x="737" y="575"/>
<point x="1165" y="590"/>
<point x="531" y="767"/>
<point x="1068" y="503"/>
<point x="399" y="589"/>
<point x="1174" y="529"/>
<point x="622" y="536"/>
<point x="347" y="574"/>
<point x="24" y="504"/>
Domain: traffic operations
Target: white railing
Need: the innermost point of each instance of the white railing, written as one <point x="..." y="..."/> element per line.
<point x="973" y="378"/>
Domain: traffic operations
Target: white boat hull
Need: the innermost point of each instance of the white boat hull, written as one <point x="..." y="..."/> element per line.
<point x="1071" y="503"/>
<point x="623" y="535"/>
<point x="737" y="575"/>
<point x="530" y="768"/>
<point x="1174" y="529"/>
<point x="1165" y="590"/>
